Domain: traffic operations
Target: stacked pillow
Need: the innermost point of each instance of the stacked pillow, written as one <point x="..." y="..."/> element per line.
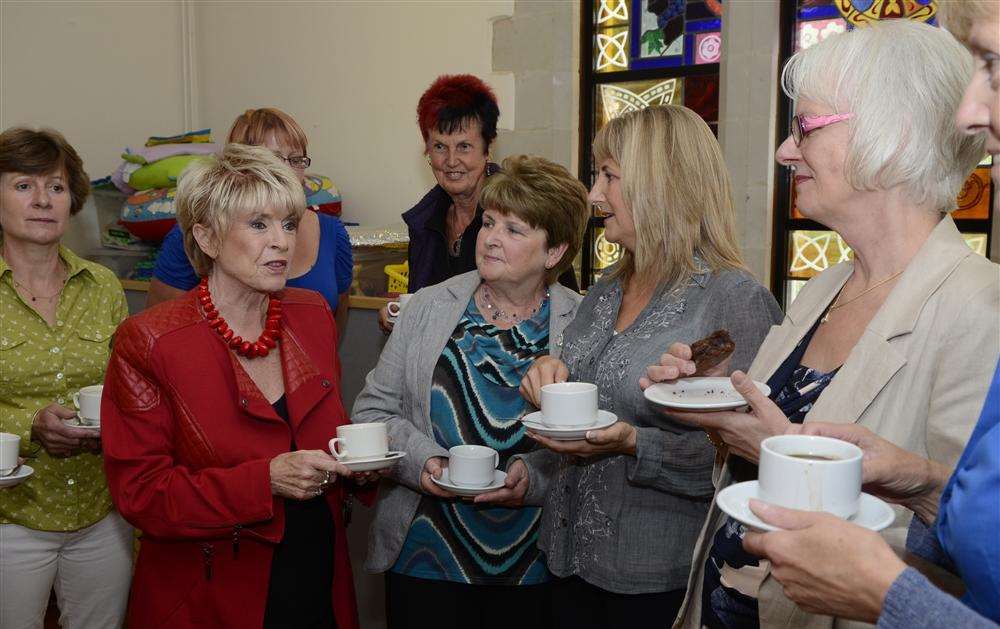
<point x="149" y="176"/>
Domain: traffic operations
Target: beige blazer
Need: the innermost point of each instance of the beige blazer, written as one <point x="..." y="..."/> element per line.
<point x="917" y="377"/>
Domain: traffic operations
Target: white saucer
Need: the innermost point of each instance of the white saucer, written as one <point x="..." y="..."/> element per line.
<point x="75" y="423"/>
<point x="372" y="463"/>
<point x="533" y="422"/>
<point x="699" y="394"/>
<point x="18" y="478"/>
<point x="464" y="490"/>
<point x="873" y="514"/>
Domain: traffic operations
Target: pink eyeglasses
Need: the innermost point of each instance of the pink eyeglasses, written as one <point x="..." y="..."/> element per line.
<point x="804" y="125"/>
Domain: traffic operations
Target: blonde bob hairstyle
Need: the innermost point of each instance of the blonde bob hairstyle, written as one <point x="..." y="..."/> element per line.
<point x="675" y="183"/>
<point x="960" y="15"/>
<point x="545" y="196"/>
<point x="212" y="191"/>
<point x="903" y="81"/>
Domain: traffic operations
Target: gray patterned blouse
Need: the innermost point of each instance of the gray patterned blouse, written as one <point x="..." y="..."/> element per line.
<point x="629" y="524"/>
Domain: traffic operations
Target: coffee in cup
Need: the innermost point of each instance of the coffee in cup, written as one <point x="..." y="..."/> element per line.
<point x="10" y="445"/>
<point x="811" y="473"/>
<point x="360" y="441"/>
<point x="569" y="404"/>
<point x="472" y="466"/>
<point x="88" y="402"/>
<point x="395" y="308"/>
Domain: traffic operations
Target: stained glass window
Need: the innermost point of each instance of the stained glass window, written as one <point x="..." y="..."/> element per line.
<point x="642" y="53"/>
<point x="807" y="249"/>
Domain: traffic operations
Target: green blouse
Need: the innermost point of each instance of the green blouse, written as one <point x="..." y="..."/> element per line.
<point x="41" y="364"/>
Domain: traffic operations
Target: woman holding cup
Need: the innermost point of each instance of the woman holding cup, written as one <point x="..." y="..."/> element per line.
<point x="624" y="505"/>
<point x="448" y="379"/>
<point x="902" y="339"/>
<point x="217" y="411"/>
<point x="59" y="315"/>
<point x="956" y="511"/>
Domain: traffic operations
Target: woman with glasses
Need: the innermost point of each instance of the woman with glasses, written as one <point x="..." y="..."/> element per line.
<point x="323" y="261"/>
<point x="902" y="339"/>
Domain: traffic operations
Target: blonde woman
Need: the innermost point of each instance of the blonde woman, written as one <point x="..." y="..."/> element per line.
<point x="217" y="409"/>
<point x="623" y="508"/>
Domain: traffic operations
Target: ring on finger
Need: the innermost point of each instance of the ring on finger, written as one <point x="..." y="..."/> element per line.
<point x="326" y="479"/>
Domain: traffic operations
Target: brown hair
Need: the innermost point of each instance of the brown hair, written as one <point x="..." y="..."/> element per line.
<point x="676" y="185"/>
<point x="42" y="152"/>
<point x="253" y="126"/>
<point x="544" y="195"/>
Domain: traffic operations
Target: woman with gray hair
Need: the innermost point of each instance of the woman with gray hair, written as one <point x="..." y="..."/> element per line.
<point x="903" y="339"/>
<point x="217" y="409"/>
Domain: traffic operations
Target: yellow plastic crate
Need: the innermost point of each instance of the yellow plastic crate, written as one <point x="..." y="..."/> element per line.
<point x="398" y="277"/>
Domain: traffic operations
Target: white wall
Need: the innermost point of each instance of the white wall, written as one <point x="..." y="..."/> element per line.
<point x="109" y="74"/>
<point x="351" y="74"/>
<point x="106" y="74"/>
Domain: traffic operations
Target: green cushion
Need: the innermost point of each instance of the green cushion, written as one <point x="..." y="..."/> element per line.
<point x="161" y="174"/>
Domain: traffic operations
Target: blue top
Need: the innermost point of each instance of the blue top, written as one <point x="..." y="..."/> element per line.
<point x="174" y="269"/>
<point x="968" y="526"/>
<point x="475" y="400"/>
<point x="966" y="540"/>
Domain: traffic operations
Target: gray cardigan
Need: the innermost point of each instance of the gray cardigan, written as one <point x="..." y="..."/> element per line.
<point x="398" y="393"/>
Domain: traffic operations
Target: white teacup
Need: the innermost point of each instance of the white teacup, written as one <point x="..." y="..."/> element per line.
<point x="569" y="404"/>
<point x="395" y="308"/>
<point x="88" y="401"/>
<point x="811" y="473"/>
<point x="10" y="445"/>
<point x="472" y="466"/>
<point x="360" y="441"/>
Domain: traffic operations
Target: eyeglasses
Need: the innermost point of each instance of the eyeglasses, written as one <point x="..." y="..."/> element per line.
<point x="299" y="162"/>
<point x="804" y="125"/>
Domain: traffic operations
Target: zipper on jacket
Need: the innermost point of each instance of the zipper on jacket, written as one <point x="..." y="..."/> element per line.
<point x="207" y="551"/>
<point x="236" y="540"/>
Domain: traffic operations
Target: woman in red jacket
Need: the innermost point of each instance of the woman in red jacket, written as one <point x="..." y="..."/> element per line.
<point x="217" y="408"/>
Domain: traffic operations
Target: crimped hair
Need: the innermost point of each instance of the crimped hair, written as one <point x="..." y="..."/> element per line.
<point x="452" y="101"/>
<point x="959" y="16"/>
<point x="254" y="125"/>
<point x="43" y="152"/>
<point x="675" y="183"/>
<point x="244" y="178"/>
<point x="903" y="130"/>
<point x="544" y="195"/>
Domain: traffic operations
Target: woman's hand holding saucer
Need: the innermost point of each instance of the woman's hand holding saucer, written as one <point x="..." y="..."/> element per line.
<point x="545" y="370"/>
<point x="742" y="431"/>
<point x="618" y="438"/>
<point x="304" y="474"/>
<point x="49" y="428"/>
<point x="825" y="564"/>
<point x="433" y="467"/>
<point x="514" y="489"/>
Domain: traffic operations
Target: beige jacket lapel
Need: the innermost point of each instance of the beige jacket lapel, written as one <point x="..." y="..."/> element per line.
<point x="875" y="359"/>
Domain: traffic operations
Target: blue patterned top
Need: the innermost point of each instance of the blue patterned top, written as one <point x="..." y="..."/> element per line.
<point x="475" y="400"/>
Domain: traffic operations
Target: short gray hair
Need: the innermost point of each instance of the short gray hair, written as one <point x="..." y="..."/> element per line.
<point x="903" y="80"/>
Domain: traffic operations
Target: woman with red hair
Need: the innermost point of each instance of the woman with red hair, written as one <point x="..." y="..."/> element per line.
<point x="458" y="117"/>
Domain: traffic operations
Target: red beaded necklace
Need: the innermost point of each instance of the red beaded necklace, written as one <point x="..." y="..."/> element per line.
<point x="268" y="339"/>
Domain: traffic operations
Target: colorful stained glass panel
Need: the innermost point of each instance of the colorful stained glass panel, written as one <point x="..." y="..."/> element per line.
<point x="610" y="13"/>
<point x="974" y="200"/>
<point x="671" y="33"/>
<point x="611" y="50"/>
<point x="615" y="99"/>
<point x="701" y="94"/>
<point x="812" y="252"/>
<point x="813" y="32"/>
